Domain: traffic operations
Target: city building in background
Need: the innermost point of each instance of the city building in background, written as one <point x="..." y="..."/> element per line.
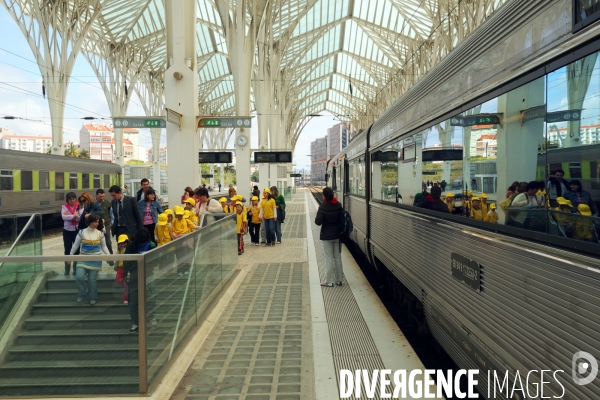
<point x="323" y="149"/>
<point x="99" y="140"/>
<point x="34" y="144"/>
<point x="162" y="155"/>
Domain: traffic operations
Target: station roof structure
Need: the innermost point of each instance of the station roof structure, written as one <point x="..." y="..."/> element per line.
<point x="353" y="58"/>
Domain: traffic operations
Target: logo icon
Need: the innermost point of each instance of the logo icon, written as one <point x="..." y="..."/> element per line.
<point x="582" y="364"/>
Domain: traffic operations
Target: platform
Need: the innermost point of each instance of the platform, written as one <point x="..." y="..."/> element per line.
<point x="283" y="336"/>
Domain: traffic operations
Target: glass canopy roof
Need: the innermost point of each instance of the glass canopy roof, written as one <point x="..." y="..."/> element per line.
<point x="336" y="55"/>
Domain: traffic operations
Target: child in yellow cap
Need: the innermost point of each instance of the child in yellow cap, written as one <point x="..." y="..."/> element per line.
<point x="491" y="216"/>
<point x="584" y="226"/>
<point x="450" y="202"/>
<point x="180" y="225"/>
<point x="122" y="242"/>
<point x="162" y="232"/>
<point x="189" y="205"/>
<point x="254" y="221"/>
<point x="484" y="204"/>
<point x="223" y="203"/>
<point x="242" y="222"/>
<point x="269" y="216"/>
<point x="476" y="212"/>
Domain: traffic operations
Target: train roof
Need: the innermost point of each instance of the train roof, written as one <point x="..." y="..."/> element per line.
<point x="26" y="159"/>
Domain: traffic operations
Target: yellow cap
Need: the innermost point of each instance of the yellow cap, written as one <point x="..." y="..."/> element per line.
<point x="168" y="211"/>
<point x="493" y="206"/>
<point x="267" y="190"/>
<point x="470" y="193"/>
<point x="162" y="219"/>
<point x="584" y="209"/>
<point x="254" y="198"/>
<point x="569" y="203"/>
<point x="239" y="203"/>
<point x="540" y="193"/>
<point x="223" y="200"/>
<point x="451" y="195"/>
<point x="562" y="201"/>
<point x="190" y="201"/>
<point x="178" y="210"/>
<point x="483" y="196"/>
<point x="237" y="197"/>
<point x="475" y="199"/>
<point x="186" y="213"/>
<point x="122" y="238"/>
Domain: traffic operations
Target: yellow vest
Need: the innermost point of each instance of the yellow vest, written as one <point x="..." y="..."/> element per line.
<point x="163" y="234"/>
<point x="242" y="221"/>
<point x="476" y="214"/>
<point x="255" y="212"/>
<point x="491" y="216"/>
<point x="269" y="209"/>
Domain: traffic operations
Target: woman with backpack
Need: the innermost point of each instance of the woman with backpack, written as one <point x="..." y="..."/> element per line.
<point x="329" y="218"/>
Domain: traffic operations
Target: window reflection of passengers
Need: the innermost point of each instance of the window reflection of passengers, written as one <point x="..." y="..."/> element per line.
<point x="476" y="212"/>
<point x="437" y="204"/>
<point x="557" y="187"/>
<point x="578" y="196"/>
<point x="528" y="198"/>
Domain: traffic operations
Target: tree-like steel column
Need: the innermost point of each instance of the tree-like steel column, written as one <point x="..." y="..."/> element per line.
<point x="55" y="31"/>
<point x="181" y="95"/>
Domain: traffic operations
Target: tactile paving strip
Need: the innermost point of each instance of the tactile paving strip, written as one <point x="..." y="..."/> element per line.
<point x="351" y="342"/>
<point x="261" y="348"/>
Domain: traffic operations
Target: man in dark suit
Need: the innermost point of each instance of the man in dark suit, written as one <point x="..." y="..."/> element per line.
<point x="128" y="219"/>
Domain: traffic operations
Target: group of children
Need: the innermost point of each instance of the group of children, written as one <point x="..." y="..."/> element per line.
<point x="476" y="207"/>
<point x="571" y="224"/>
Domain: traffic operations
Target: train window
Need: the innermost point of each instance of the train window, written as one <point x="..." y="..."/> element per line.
<point x="26" y="180"/>
<point x="97" y="181"/>
<point x="106" y="181"/>
<point x="356" y="176"/>
<point x="85" y="181"/>
<point x="59" y="179"/>
<point x="44" y="180"/>
<point x="6" y="179"/>
<point x="573" y="145"/>
<point x="73" y="181"/>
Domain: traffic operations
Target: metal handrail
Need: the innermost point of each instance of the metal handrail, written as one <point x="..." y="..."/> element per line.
<point x="19" y="237"/>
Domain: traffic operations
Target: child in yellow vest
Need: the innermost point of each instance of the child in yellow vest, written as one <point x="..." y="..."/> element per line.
<point x="476" y="212"/>
<point x="584" y="227"/>
<point x="450" y="202"/>
<point x="122" y="242"/>
<point x="242" y="222"/>
<point x="254" y="221"/>
<point x="190" y="203"/>
<point x="180" y="225"/>
<point x="485" y="207"/>
<point x="491" y="216"/>
<point x="563" y="216"/>
<point x="162" y="232"/>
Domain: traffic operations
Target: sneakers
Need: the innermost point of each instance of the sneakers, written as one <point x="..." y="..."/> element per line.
<point x="326" y="284"/>
<point x="239" y="253"/>
<point x="153" y="321"/>
<point x="125" y="302"/>
<point x="92" y="302"/>
<point x="339" y="283"/>
<point x="80" y="299"/>
<point x="134" y="329"/>
<point x="278" y="242"/>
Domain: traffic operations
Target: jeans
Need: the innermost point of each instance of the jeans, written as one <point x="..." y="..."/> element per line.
<point x="92" y="292"/>
<point x="333" y="261"/>
<point x="278" y="230"/>
<point x="270" y="230"/>
<point x="254" y="231"/>
<point x="68" y="240"/>
<point x="132" y="291"/>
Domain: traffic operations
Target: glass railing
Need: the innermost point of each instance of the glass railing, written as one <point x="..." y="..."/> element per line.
<point x="287" y="193"/>
<point x="67" y="347"/>
<point x="21" y="236"/>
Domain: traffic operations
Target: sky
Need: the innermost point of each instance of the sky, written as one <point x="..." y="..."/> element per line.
<point x="21" y="96"/>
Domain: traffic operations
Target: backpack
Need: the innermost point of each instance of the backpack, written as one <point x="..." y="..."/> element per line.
<point x="346" y="226"/>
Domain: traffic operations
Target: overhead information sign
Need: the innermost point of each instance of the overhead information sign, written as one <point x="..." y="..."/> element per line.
<point x="215" y="157"/>
<point x="273" y="157"/>
<point x="224" y="122"/>
<point x="551" y="117"/>
<point x="295" y="175"/>
<point x="472" y="120"/>
<point x="139" y="122"/>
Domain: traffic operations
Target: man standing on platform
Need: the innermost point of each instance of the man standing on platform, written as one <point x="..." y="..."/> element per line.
<point x="145" y="185"/>
<point x="128" y="219"/>
<point x="106" y="206"/>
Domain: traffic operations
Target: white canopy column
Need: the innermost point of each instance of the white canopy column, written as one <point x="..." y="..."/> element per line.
<point x="181" y="95"/>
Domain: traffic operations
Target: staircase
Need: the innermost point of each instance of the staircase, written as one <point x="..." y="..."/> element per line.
<point x="70" y="348"/>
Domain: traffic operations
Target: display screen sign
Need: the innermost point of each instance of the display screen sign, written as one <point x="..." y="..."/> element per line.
<point x="218" y="157"/>
<point x="295" y="175"/>
<point x="466" y="270"/>
<point x="473" y="120"/>
<point x="442" y="155"/>
<point x="273" y="157"/>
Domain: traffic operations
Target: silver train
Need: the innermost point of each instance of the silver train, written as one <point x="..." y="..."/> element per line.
<point x="508" y="299"/>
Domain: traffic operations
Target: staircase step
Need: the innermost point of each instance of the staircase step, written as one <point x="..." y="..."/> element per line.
<point x="72" y="307"/>
<point x="41" y="387"/>
<point x="69" y="295"/>
<point x="63" y="321"/>
<point x="74" y="351"/>
<point x="51" y="337"/>
<point x="80" y="368"/>
<point x="105" y="281"/>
